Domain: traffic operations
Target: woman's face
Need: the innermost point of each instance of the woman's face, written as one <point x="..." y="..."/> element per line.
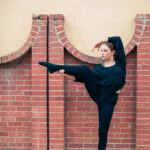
<point x="106" y="52"/>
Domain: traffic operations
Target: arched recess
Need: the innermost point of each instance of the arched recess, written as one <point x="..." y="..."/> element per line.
<point x="59" y="27"/>
<point x="27" y="45"/>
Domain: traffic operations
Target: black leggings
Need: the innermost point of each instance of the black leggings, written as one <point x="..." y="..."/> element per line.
<point x="104" y="100"/>
<point x="105" y="110"/>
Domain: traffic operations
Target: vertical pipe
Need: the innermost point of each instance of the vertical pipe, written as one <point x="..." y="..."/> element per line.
<point x="47" y="84"/>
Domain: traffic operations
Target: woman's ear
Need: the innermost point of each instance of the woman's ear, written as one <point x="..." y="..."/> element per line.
<point x="114" y="52"/>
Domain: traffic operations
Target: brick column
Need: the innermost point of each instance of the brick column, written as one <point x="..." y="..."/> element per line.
<point x="56" y="87"/>
<point x="39" y="87"/>
<point x="143" y="85"/>
<point x="39" y="94"/>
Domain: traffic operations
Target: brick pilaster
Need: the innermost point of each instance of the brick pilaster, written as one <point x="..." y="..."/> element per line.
<point x="39" y="82"/>
<point x="143" y="85"/>
<point x="56" y="87"/>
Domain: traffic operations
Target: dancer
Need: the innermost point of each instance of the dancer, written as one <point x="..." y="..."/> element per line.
<point x="103" y="82"/>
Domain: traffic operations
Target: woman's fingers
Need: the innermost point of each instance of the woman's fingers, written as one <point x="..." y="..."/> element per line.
<point x="68" y="76"/>
<point x="93" y="49"/>
<point x="97" y="46"/>
<point x="97" y="49"/>
<point x="118" y="91"/>
<point x="61" y="71"/>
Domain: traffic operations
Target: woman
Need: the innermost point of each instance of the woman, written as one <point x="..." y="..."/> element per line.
<point x="103" y="82"/>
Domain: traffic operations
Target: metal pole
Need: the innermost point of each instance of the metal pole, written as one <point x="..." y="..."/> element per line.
<point x="47" y="84"/>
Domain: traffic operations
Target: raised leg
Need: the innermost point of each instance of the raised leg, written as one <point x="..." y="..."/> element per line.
<point x="82" y="73"/>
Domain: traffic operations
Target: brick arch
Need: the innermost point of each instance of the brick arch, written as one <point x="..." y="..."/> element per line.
<point x="59" y="24"/>
<point x="28" y="44"/>
<point x="59" y="27"/>
<point x="138" y="32"/>
<point x="60" y="31"/>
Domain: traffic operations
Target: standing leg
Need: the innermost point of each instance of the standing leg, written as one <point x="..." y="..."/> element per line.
<point x="105" y="108"/>
<point x="82" y="73"/>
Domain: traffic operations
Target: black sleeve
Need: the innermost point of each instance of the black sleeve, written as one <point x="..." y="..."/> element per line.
<point x="116" y="40"/>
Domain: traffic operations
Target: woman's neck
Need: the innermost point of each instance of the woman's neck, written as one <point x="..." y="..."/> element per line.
<point x="109" y="63"/>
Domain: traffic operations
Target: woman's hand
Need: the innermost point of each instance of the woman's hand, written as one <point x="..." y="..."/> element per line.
<point x="68" y="76"/>
<point x="61" y="72"/>
<point x="118" y="91"/>
<point x="98" y="44"/>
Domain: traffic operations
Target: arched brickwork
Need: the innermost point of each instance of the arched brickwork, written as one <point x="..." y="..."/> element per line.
<point x="59" y="22"/>
<point x="27" y="45"/>
<point x="59" y="27"/>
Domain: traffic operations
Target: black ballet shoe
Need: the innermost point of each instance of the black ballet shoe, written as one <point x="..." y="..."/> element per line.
<point x="51" y="67"/>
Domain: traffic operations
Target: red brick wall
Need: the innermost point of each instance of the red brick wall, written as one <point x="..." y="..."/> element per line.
<point x="73" y="122"/>
<point x="38" y="88"/>
<point x="122" y="133"/>
<point x="143" y="87"/>
<point x="56" y="91"/>
<point x="81" y="117"/>
<point x="15" y="105"/>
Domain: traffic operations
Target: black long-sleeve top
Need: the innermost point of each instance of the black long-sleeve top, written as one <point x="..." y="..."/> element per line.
<point x="112" y="78"/>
